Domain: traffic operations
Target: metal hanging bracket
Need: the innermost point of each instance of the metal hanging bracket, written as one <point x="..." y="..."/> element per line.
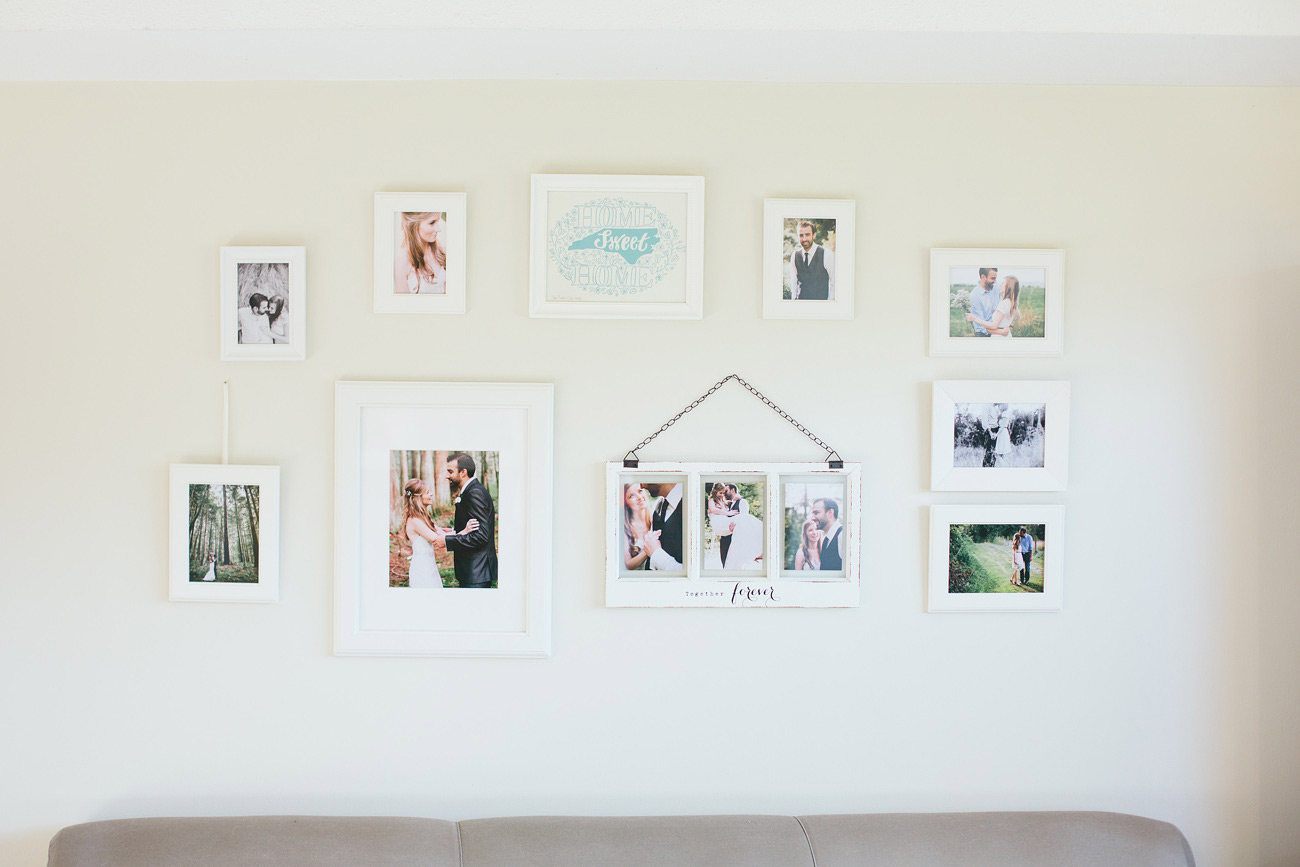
<point x="833" y="459"/>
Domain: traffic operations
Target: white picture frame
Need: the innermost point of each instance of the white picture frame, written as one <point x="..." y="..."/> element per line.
<point x="777" y="266"/>
<point x="658" y="220"/>
<point x="1036" y="418"/>
<point x="374" y="618"/>
<point x="389" y="251"/>
<point x="259" y="517"/>
<point x="1048" y="552"/>
<point x="1037" y="265"/>
<point x="274" y="271"/>
<point x="773" y="583"/>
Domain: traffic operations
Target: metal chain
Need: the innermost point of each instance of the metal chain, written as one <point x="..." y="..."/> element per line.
<point x="631" y="455"/>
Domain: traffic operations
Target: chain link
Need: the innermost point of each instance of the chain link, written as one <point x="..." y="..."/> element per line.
<point x="831" y="454"/>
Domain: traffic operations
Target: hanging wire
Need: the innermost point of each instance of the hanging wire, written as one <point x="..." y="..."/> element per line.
<point x="631" y="459"/>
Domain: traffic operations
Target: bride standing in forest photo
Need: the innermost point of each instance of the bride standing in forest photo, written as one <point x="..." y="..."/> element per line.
<point x="224" y="525"/>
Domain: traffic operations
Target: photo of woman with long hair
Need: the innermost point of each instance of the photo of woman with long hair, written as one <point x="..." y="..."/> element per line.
<point x="637" y="521"/>
<point x="421" y="255"/>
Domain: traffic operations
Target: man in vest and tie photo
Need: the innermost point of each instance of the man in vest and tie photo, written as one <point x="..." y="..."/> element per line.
<point x="826" y="512"/>
<point x="812" y="266"/>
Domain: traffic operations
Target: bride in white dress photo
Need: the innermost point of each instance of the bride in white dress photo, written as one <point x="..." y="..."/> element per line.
<point x="419" y="531"/>
<point x="739" y="533"/>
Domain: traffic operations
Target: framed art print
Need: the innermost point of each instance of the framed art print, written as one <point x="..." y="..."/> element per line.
<point x="617" y="247"/>
<point x="732" y="535"/>
<point x="808" y="259"/>
<point x="997" y="302"/>
<point x="420" y="253"/>
<point x="1000" y="436"/>
<point x="443" y="505"/>
<point x="263" y="303"/>
<point x="224" y="537"/>
<point x="996" y="558"/>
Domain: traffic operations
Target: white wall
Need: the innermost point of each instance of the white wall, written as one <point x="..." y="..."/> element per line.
<point x="1178" y="208"/>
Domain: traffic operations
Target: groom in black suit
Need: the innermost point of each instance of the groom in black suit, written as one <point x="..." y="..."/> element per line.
<point x="475" y="553"/>
<point x="733" y="501"/>
<point x="665" y="542"/>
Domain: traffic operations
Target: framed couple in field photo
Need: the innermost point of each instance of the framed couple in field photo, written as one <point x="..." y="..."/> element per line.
<point x="443" y="507"/>
<point x="997" y="302"/>
<point x="617" y="247"/>
<point x="1000" y="436"/>
<point x="808" y="258"/>
<point x="996" y="558"/>
<point x="419" y="253"/>
<point x="732" y="535"/>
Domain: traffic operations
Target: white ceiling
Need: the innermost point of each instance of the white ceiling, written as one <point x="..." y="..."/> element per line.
<point x="1019" y="41"/>
<point x="1204" y="17"/>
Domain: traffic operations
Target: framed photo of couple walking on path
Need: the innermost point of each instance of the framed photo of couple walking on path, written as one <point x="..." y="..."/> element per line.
<point x="996" y="558"/>
<point x="224" y="533"/>
<point x="732" y="535"/>
<point x="1000" y="436"/>
<point x="997" y="302"/>
<point x="808" y="258"/>
<point x="443" y="519"/>
<point x="420" y="252"/>
<point x="617" y="247"/>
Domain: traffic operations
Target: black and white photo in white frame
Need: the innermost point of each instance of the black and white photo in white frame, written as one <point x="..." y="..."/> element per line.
<point x="263" y="303"/>
<point x="1000" y="436"/>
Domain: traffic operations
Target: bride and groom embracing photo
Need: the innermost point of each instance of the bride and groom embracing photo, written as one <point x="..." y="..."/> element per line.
<point x="428" y="547"/>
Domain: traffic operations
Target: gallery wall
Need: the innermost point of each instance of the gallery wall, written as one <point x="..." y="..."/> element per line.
<point x="1166" y="687"/>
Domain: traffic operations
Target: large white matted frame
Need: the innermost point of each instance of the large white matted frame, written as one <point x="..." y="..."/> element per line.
<point x="372" y="618"/>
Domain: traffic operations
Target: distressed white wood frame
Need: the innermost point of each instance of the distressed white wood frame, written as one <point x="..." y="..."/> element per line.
<point x="694" y="587"/>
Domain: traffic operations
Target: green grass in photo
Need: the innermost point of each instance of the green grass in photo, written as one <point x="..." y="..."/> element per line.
<point x="1030" y="323"/>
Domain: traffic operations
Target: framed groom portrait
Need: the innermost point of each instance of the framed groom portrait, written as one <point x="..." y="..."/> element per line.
<point x="443" y="511"/>
<point x="808" y="258"/>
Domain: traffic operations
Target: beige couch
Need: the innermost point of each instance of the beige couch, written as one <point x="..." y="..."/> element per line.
<point x="860" y="840"/>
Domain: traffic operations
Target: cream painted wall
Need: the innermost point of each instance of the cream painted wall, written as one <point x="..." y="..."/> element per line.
<point x="1179" y="209"/>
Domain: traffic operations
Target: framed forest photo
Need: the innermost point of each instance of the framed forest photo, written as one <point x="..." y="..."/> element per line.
<point x="224" y="533"/>
<point x="443" y="506"/>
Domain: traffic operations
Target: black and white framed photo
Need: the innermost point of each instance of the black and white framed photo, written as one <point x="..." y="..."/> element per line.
<point x="732" y="535"/>
<point x="808" y="258"/>
<point x="617" y="247"/>
<point x="1000" y="436"/>
<point x="443" y="504"/>
<point x="997" y="302"/>
<point x="263" y="303"/>
<point x="224" y="533"/>
<point x="420" y="252"/>
<point x="996" y="558"/>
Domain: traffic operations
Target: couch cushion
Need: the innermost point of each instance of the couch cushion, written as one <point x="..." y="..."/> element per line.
<point x="995" y="840"/>
<point x="259" y="841"/>
<point x="643" y="841"/>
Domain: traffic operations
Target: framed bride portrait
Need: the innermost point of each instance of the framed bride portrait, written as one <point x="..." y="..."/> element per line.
<point x="732" y="535"/>
<point x="224" y="533"/>
<point x="419" y="253"/>
<point x="443" y="510"/>
<point x="998" y="302"/>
